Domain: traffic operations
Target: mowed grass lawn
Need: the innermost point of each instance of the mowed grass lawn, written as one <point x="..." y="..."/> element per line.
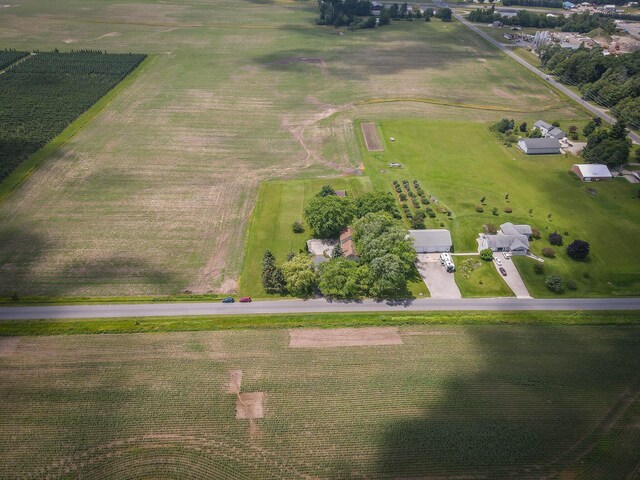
<point x="462" y="162"/>
<point x="279" y="204"/>
<point x="486" y="401"/>
<point x="477" y="278"/>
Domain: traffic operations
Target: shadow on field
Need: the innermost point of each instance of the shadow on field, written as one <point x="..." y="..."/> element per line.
<point x="548" y="401"/>
<point x="23" y="252"/>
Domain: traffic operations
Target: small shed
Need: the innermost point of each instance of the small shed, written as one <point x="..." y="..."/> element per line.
<point x="341" y="193"/>
<point x="539" y="146"/>
<point x="431" y="241"/>
<point x="591" y="172"/>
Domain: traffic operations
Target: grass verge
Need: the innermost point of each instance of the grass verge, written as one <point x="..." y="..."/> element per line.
<point x="234" y="322"/>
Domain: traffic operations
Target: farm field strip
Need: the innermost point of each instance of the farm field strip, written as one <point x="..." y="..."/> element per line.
<point x="449" y="400"/>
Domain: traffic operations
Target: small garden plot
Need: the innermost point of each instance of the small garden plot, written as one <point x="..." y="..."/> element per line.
<point x="423" y="206"/>
<point x="371" y="138"/>
<point x="343" y="337"/>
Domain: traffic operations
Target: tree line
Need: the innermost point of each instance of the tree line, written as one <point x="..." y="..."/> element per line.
<point x="611" y="81"/>
<point x="360" y="13"/>
<point x="579" y="23"/>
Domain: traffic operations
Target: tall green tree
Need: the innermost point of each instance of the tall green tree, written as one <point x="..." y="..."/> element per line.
<point x="341" y="278"/>
<point x="300" y="276"/>
<point x="328" y="216"/>
<point x="388" y="276"/>
<point x="272" y="277"/>
<point x="372" y="202"/>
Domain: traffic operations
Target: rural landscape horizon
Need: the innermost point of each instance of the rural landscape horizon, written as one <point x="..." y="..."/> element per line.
<point x="319" y="239"/>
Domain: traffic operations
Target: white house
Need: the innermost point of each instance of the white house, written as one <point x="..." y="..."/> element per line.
<point x="539" y="146"/>
<point x="515" y="244"/>
<point x="431" y="241"/>
<point x="549" y="130"/>
<point x="591" y="172"/>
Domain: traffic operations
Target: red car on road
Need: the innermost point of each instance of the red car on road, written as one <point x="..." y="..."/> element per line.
<point x="245" y="300"/>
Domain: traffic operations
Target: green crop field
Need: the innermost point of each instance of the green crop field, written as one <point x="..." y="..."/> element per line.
<point x="43" y="94"/>
<point x="457" y="401"/>
<point x="7" y="57"/>
<point x="460" y="162"/>
<point x="153" y="196"/>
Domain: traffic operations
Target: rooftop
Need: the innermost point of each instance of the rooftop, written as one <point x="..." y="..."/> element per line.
<point x="511" y="242"/>
<point x="511" y="229"/>
<point x="541" y="142"/>
<point x="430" y="238"/>
<point x="593" y="170"/>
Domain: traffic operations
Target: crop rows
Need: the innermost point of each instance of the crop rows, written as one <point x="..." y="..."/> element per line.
<point x="40" y="96"/>
<point x="489" y="401"/>
<point x="7" y="57"/>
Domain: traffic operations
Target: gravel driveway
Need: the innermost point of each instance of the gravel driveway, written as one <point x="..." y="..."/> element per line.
<point x="441" y="284"/>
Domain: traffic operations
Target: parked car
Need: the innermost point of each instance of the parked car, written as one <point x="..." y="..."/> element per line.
<point x="502" y="271"/>
<point x="228" y="300"/>
<point x="498" y="262"/>
<point x="506" y="255"/>
<point x="245" y="300"/>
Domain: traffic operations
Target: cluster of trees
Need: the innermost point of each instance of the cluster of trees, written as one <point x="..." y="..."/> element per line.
<point x="611" y="81"/>
<point x="7" y="57"/>
<point x="40" y="96"/>
<point x="606" y="145"/>
<point x="385" y="256"/>
<point x="359" y="13"/>
<point x="581" y="23"/>
<point x="328" y="214"/>
<point x="344" y="12"/>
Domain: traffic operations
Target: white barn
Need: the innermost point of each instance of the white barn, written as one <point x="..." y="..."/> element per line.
<point x="591" y="172"/>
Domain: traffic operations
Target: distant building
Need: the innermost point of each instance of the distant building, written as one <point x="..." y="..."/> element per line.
<point x="539" y="146"/>
<point x="341" y="193"/>
<point x="549" y="130"/>
<point x="591" y="172"/>
<point x="610" y="7"/>
<point x="568" y="5"/>
<point x="431" y="241"/>
<point x="347" y="244"/>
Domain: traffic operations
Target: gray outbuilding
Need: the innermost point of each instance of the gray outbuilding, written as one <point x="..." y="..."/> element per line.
<point x="431" y="241"/>
<point x="539" y="146"/>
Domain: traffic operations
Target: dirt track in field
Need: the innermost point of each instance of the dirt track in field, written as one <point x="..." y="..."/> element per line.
<point x="371" y="138"/>
<point x="343" y="337"/>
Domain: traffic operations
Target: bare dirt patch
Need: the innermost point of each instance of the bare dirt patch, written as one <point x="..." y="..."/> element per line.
<point x="8" y="346"/>
<point x="249" y="405"/>
<point x="235" y="381"/>
<point x="343" y="337"/>
<point x="371" y="138"/>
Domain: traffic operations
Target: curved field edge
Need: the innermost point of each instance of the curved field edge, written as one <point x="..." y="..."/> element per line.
<point x="334" y="320"/>
<point x="31" y="164"/>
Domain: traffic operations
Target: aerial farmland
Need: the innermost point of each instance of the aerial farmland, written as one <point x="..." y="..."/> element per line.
<point x="167" y="169"/>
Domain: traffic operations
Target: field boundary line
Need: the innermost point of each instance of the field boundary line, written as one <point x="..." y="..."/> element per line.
<point x="446" y="104"/>
<point x="31" y="164"/>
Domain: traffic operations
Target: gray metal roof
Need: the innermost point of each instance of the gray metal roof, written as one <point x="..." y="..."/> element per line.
<point x="512" y="242"/>
<point x="431" y="238"/>
<point x="542" y="124"/>
<point x="511" y="229"/>
<point x="536" y="143"/>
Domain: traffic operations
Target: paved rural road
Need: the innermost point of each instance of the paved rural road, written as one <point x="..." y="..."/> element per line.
<point x="312" y="306"/>
<point x="592" y="108"/>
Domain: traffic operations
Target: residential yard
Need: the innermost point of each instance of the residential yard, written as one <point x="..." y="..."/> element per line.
<point x="153" y="196"/>
<point x="449" y="401"/>
<point x="279" y="204"/>
<point x="477" y="278"/>
<point x="461" y="162"/>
